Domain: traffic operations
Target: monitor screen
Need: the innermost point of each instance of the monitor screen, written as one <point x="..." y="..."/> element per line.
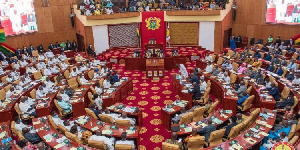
<point x="17" y="17"/>
<point x="283" y="11"/>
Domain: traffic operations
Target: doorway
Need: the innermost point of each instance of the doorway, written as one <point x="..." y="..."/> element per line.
<point x="227" y="35"/>
<point x="80" y="40"/>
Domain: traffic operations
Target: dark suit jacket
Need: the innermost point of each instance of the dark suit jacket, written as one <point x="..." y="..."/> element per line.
<point x="207" y="130"/>
<point x="51" y="47"/>
<point x="196" y="92"/>
<point x="275" y="93"/>
<point x="115" y="78"/>
<point x="195" y="79"/>
<point x="229" y="127"/>
<point x="32" y="138"/>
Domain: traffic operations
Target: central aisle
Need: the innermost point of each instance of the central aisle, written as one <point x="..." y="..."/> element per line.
<point x="150" y="96"/>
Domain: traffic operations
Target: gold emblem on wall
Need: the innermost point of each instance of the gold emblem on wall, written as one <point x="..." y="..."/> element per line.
<point x="152" y="23"/>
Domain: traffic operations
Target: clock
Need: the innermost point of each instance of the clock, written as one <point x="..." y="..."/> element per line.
<point x="283" y="146"/>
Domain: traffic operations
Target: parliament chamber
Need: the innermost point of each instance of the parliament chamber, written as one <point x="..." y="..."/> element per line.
<point x="149" y="75"/>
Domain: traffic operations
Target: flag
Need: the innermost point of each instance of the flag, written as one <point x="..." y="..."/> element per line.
<point x="168" y="32"/>
<point x="138" y="34"/>
<point x="6" y="49"/>
<point x="2" y="35"/>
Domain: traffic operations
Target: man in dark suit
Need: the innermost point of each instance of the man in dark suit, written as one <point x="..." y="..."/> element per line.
<point x="18" y="53"/>
<point x="24" y="50"/>
<point x="51" y="46"/>
<point x="229" y="127"/>
<point x="238" y="41"/>
<point x="40" y="48"/>
<point x="57" y="45"/>
<point x="90" y="50"/>
<point x="206" y="131"/>
<point x="116" y="78"/>
<point x="31" y="137"/>
<point x="278" y="40"/>
<point x="196" y="91"/>
<point x="69" y="45"/>
<point x="274" y="91"/>
<point x="30" y="49"/>
<point x="74" y="45"/>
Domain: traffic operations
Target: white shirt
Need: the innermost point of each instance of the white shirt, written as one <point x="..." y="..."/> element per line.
<point x="62" y="57"/>
<point x="98" y="90"/>
<point x="41" y="65"/>
<point x="47" y="72"/>
<point x="109" y="142"/>
<point x="39" y="94"/>
<point x="183" y="71"/>
<point x="4" y="63"/>
<point x="54" y="69"/>
<point x="49" y="84"/>
<point x="130" y="142"/>
<point x="73" y="74"/>
<point x="96" y="75"/>
<point x="96" y="62"/>
<point x="296" y="81"/>
<point x="64" y="65"/>
<point x="106" y="84"/>
<point x="23" y="63"/>
<point x="132" y="120"/>
<point x="8" y="94"/>
<point x="83" y="80"/>
<point x="208" y="58"/>
<point x="9" y="80"/>
<point x="30" y="70"/>
<point x="42" y="57"/>
<point x="221" y="75"/>
<point x="17" y="66"/>
<point x="209" y="68"/>
<point x="24" y="109"/>
<point x="65" y="97"/>
<point x="49" y="54"/>
<point x="227" y="79"/>
<point x="1" y="70"/>
<point x="203" y="86"/>
<point x="83" y="68"/>
<point x="99" y="102"/>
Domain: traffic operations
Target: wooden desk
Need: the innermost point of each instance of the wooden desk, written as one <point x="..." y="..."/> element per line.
<point x="6" y="128"/>
<point x="49" y="107"/>
<point x="155" y="67"/>
<point x="79" y="106"/>
<point x="117" y="133"/>
<point x="134" y="63"/>
<point x="138" y="116"/>
<point x="90" y="125"/>
<point x="241" y="139"/>
<point x="38" y="124"/>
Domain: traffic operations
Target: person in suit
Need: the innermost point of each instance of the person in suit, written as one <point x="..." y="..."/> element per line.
<point x="196" y="91"/>
<point x="242" y="99"/>
<point x="125" y="141"/>
<point x="290" y="76"/>
<point x="216" y="71"/>
<point x="31" y="48"/>
<point x="18" y="53"/>
<point x="69" y="45"/>
<point x="194" y="78"/>
<point x="242" y="88"/>
<point x="40" y="48"/>
<point x="274" y="91"/>
<point x="74" y="45"/>
<point x="174" y="140"/>
<point x="90" y="50"/>
<point x="57" y="45"/>
<point x="51" y="46"/>
<point x="206" y="131"/>
<point x="33" y="138"/>
<point x="230" y="126"/>
<point x="278" y="41"/>
<point x="116" y="78"/>
<point x="279" y="71"/>
<point x="238" y="41"/>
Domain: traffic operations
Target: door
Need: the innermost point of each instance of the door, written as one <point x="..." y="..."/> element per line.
<point x="80" y="40"/>
<point x="226" y="40"/>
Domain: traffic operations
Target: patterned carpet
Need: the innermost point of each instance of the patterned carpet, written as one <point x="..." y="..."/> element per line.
<point x="150" y="96"/>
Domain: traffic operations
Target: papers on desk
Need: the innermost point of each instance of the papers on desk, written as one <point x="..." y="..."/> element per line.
<point x="107" y="132"/>
<point x="95" y="128"/>
<point x="216" y="120"/>
<point x="188" y="129"/>
<point x="37" y="122"/>
<point x="263" y="123"/>
<point x="82" y="120"/>
<point x="42" y="104"/>
<point x="48" y="137"/>
<point x="236" y="147"/>
<point x="180" y="103"/>
<point x="250" y="141"/>
<point x="169" y="109"/>
<point x="129" y="109"/>
<point x="185" y="91"/>
<point x="3" y="134"/>
<point x="109" y="91"/>
<point x="111" y="107"/>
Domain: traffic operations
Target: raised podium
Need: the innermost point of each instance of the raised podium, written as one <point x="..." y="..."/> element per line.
<point x="155" y="67"/>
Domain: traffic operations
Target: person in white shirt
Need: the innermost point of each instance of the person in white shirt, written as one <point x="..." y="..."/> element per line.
<point x="9" y="78"/>
<point x="208" y="58"/>
<point x="109" y="142"/>
<point x="183" y="71"/>
<point x="226" y="77"/>
<point x="51" y="61"/>
<point x="1" y="83"/>
<point x="98" y="100"/>
<point x="56" y="118"/>
<point x="23" y="63"/>
<point x="4" y="63"/>
<point x="64" y="65"/>
<point x="29" y="100"/>
<point x="96" y="62"/>
<point x="113" y="115"/>
<point x="41" y="65"/>
<point x="15" y="74"/>
<point x="19" y="125"/>
<point x="22" y="82"/>
<point x="26" y="109"/>
<point x="106" y="83"/>
<point x="104" y="70"/>
<point x="82" y="80"/>
<point x="49" y="54"/>
<point x="98" y="88"/>
<point x="54" y="69"/>
<point x="31" y="69"/>
<point x="1" y="70"/>
<point x="83" y="67"/>
<point x="96" y="74"/>
<point x="47" y="71"/>
<point x="27" y="78"/>
<point x="40" y="93"/>
<point x="16" y="66"/>
<point x="47" y="89"/>
<point x="124" y="117"/>
<point x="64" y="96"/>
<point x="202" y="84"/>
<point x="9" y="93"/>
<point x="227" y="65"/>
<point x="124" y="141"/>
<point x="62" y="57"/>
<point x="209" y="67"/>
<point x="73" y="73"/>
<point x="48" y="83"/>
<point x="41" y="57"/>
<point x="296" y="79"/>
<point x="221" y="74"/>
<point x="17" y="87"/>
<point x="56" y="60"/>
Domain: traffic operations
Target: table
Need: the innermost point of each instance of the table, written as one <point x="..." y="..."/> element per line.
<point x="117" y="96"/>
<point x="178" y="88"/>
<point x="8" y="113"/>
<point x="217" y="114"/>
<point x="40" y="125"/>
<point x="155" y="67"/>
<point x="8" y="134"/>
<point x="167" y="116"/>
<point x="46" y="105"/>
<point x="79" y="101"/>
<point x="92" y="124"/>
<point x="138" y="116"/>
<point x="241" y="139"/>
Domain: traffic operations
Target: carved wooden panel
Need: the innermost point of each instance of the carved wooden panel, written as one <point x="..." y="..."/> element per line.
<point x="184" y="33"/>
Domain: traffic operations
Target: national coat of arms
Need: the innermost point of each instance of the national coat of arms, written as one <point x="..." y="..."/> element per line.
<point x="152" y="23"/>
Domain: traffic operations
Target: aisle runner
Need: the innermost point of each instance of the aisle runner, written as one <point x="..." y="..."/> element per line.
<point x="150" y="96"/>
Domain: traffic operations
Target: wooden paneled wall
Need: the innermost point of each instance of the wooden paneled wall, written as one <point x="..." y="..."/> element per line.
<point x="220" y="27"/>
<point x="54" y="25"/>
<point x="250" y="21"/>
<point x="85" y="31"/>
<point x="184" y="33"/>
